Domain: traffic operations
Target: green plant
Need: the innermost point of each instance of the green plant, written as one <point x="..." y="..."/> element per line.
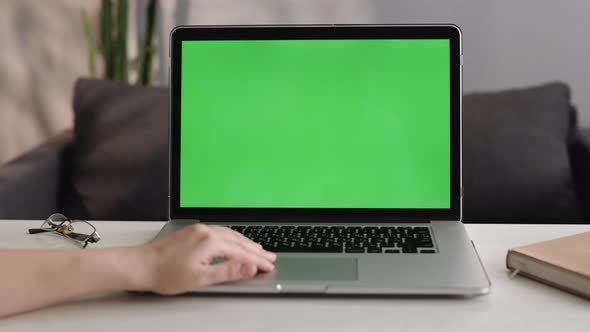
<point x="112" y="42"/>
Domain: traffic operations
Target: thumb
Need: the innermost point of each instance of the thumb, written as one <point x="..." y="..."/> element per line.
<point x="228" y="270"/>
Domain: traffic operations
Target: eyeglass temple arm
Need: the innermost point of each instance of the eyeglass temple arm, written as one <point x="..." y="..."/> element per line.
<point x="77" y="236"/>
<point x="39" y="230"/>
<point x="81" y="237"/>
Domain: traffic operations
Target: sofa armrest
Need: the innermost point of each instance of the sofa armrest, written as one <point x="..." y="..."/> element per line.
<point x="30" y="185"/>
<point x="580" y="159"/>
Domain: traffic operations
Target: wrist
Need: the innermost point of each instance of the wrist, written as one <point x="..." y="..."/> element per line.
<point x="138" y="261"/>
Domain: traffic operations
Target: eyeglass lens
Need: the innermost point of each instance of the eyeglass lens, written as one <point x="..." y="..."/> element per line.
<point x="54" y="220"/>
<point x="79" y="230"/>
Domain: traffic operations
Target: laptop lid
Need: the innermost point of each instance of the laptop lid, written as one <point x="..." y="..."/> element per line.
<point x="323" y="123"/>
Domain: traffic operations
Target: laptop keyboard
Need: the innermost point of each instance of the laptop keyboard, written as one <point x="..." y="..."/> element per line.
<point x="341" y="239"/>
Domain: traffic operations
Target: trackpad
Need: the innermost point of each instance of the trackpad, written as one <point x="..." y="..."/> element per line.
<point x="300" y="268"/>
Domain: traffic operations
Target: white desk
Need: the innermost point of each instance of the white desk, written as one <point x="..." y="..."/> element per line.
<point x="513" y="305"/>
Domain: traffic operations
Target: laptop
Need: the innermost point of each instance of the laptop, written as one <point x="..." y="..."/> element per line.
<point x="336" y="146"/>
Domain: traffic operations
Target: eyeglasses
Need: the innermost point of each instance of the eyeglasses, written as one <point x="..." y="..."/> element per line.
<point x="79" y="231"/>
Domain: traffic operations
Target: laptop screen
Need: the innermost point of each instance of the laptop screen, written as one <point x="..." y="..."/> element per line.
<point x="315" y="124"/>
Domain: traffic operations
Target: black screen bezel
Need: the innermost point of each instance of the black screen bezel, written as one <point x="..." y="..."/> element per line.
<point x="450" y="32"/>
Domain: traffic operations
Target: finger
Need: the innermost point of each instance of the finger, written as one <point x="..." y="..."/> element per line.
<point x="237" y="235"/>
<point x="240" y="236"/>
<point x="228" y="270"/>
<point x="244" y="255"/>
<point x="232" y="251"/>
<point x="244" y="242"/>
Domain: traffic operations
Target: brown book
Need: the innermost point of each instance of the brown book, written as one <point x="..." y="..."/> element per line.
<point x="563" y="263"/>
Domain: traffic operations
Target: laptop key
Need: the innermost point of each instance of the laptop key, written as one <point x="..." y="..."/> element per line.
<point x="409" y="250"/>
<point x="374" y="250"/>
<point x="354" y="250"/>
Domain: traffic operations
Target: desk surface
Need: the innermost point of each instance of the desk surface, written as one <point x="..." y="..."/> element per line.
<point x="513" y="304"/>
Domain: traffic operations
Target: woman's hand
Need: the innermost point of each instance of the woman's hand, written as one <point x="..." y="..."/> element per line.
<point x="181" y="261"/>
<point x="173" y="264"/>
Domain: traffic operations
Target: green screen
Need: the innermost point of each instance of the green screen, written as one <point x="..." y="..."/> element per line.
<point x="315" y="124"/>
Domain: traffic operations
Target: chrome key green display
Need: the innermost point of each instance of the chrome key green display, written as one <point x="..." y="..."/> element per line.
<point x="315" y="124"/>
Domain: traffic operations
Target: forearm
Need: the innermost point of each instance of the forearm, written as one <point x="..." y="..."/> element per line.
<point x="31" y="279"/>
<point x="176" y="263"/>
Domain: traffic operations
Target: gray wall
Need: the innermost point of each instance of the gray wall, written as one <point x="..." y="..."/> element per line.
<point x="510" y="43"/>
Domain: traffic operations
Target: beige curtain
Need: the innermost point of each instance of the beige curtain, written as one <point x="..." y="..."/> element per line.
<point x="44" y="50"/>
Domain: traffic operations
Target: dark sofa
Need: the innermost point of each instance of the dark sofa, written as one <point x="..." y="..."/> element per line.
<point x="524" y="159"/>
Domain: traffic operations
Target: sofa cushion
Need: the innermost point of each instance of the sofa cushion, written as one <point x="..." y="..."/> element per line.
<point x="515" y="156"/>
<point x="119" y="166"/>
